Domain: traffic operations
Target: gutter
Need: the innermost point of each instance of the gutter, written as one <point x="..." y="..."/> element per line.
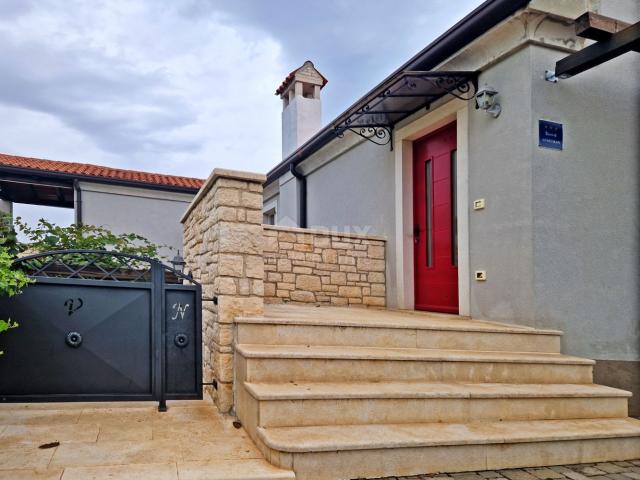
<point x="472" y="26"/>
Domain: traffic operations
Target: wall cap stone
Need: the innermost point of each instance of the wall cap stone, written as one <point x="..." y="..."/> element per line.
<point x="328" y="233"/>
<point x="221" y="173"/>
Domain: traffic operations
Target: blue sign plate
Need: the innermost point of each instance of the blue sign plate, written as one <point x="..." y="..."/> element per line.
<point x="549" y="134"/>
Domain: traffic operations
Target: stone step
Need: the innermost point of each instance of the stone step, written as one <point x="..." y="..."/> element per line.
<point x="307" y="404"/>
<point x="372" y="451"/>
<point x="387" y="328"/>
<point x="284" y="363"/>
<point x="233" y="469"/>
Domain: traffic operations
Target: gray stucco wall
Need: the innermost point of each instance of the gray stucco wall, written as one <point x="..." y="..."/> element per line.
<point x="500" y="236"/>
<point x="150" y="213"/>
<point x="559" y="237"/>
<point x="625" y="10"/>
<point x="355" y="193"/>
<point x="287" y="210"/>
<point x="586" y="208"/>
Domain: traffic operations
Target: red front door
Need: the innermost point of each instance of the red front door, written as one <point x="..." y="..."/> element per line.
<point x="435" y="222"/>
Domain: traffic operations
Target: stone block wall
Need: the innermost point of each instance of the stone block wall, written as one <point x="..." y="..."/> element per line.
<point x="223" y="250"/>
<point x="315" y="266"/>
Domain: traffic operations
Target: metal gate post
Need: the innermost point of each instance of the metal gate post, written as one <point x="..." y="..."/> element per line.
<point x="158" y="322"/>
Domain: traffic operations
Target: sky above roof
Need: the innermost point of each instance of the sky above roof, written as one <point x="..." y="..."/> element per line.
<point x="183" y="86"/>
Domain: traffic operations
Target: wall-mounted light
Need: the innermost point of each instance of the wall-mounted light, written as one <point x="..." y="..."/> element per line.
<point x="486" y="100"/>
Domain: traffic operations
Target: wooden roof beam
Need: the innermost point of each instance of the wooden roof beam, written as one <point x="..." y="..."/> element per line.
<point x="598" y="27"/>
<point x="602" y="51"/>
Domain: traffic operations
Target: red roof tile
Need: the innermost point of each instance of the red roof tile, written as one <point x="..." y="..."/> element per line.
<point x="86" y="170"/>
<point x="283" y="86"/>
<point x="285" y="83"/>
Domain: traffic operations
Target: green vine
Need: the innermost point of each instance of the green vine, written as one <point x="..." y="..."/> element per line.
<point x="11" y="283"/>
<point x="8" y="236"/>
<point x="46" y="236"/>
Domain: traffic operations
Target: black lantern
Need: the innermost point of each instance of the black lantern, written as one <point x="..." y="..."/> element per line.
<point x="178" y="263"/>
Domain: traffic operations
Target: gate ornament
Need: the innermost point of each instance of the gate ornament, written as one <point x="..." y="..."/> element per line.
<point x="87" y="265"/>
<point x="181" y="340"/>
<point x="73" y="339"/>
<point x="72" y="306"/>
<point x="180" y="310"/>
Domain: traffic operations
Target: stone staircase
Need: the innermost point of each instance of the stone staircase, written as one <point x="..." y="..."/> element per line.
<point x="339" y="393"/>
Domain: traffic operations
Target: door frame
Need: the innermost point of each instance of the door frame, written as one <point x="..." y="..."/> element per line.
<point x="453" y="111"/>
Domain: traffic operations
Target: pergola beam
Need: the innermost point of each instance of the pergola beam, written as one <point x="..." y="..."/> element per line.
<point x="617" y="44"/>
<point x="598" y="27"/>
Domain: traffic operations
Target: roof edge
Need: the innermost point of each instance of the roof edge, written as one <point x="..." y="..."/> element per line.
<point x="65" y="170"/>
<point x="31" y="172"/>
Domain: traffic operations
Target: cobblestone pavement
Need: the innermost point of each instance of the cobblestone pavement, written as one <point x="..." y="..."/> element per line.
<point x="629" y="470"/>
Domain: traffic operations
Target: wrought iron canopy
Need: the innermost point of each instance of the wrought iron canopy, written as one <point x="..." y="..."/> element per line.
<point x="374" y="116"/>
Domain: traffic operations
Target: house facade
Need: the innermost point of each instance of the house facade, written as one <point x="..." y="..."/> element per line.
<point x="486" y="191"/>
<point x="522" y="211"/>
<point x="123" y="201"/>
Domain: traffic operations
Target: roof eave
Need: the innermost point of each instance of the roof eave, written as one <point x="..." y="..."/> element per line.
<point x="103" y="180"/>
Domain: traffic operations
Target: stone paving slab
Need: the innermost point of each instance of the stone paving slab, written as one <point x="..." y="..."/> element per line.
<point x="120" y="441"/>
<point x="629" y="470"/>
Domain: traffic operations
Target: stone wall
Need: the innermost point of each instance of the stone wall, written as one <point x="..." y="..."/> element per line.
<point x="223" y="249"/>
<point x="315" y="266"/>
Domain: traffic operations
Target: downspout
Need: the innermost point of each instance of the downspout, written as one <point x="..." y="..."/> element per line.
<point x="76" y="187"/>
<point x="302" y="195"/>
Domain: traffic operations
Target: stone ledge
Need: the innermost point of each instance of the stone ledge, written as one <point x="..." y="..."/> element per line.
<point x="221" y="173"/>
<point x="328" y="233"/>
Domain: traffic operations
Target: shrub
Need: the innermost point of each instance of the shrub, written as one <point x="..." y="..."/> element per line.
<point x="12" y="282"/>
<point x="8" y="236"/>
<point x="46" y="236"/>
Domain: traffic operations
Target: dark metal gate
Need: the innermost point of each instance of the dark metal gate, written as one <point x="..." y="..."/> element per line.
<point x="100" y="325"/>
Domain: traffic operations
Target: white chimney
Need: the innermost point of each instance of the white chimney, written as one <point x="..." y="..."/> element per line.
<point x="301" y="106"/>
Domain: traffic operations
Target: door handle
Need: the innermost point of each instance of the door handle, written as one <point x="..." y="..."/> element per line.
<point x="416" y="233"/>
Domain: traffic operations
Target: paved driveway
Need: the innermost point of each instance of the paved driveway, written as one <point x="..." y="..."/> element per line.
<point x="586" y="471"/>
<point x="115" y="441"/>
